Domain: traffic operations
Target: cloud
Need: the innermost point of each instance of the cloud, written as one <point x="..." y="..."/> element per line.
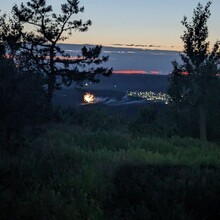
<point x="154" y="45"/>
<point x="118" y="44"/>
<point x="130" y="45"/>
<point x="138" y="45"/>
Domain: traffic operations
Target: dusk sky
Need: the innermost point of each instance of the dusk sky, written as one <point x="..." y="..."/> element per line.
<point x="155" y="23"/>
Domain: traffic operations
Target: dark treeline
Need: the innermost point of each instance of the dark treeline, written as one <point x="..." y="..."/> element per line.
<point x="195" y="84"/>
<point x="58" y="163"/>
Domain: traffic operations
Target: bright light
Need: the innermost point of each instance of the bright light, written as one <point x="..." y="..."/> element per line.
<point x="150" y="96"/>
<point x="89" y="98"/>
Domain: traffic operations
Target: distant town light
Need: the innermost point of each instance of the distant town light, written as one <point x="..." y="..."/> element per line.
<point x="150" y="96"/>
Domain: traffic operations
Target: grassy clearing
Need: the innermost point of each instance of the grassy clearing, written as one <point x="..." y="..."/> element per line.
<point x="74" y="173"/>
<point x="113" y="144"/>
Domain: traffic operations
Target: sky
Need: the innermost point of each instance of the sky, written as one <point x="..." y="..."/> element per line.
<point x="150" y="24"/>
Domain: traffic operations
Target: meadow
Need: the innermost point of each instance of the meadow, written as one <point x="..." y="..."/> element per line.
<point x="92" y="165"/>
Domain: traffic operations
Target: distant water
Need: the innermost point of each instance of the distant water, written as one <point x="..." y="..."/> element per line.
<point x="150" y="61"/>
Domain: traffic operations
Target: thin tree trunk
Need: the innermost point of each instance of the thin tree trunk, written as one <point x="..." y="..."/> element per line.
<point x="202" y="123"/>
<point x="51" y="82"/>
<point x="51" y="75"/>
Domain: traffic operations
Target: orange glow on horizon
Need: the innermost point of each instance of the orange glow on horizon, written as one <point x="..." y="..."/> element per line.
<point x="129" y="72"/>
<point x="135" y="72"/>
<point x="154" y="72"/>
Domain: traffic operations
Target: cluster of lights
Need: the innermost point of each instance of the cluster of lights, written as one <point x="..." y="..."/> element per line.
<point x="150" y="96"/>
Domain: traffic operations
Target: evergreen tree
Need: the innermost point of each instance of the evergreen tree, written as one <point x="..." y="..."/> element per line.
<point x="40" y="49"/>
<point x="195" y="83"/>
<point x="22" y="100"/>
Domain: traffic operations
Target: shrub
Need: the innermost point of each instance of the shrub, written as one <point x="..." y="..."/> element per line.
<point x="144" y="191"/>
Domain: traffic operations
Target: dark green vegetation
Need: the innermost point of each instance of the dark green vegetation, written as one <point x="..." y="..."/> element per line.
<point x="195" y="84"/>
<point x="23" y="103"/>
<point x="96" y="165"/>
<point x="93" y="170"/>
<point x="72" y="164"/>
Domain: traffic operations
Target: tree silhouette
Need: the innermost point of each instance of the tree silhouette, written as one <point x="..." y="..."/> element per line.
<point x="195" y="83"/>
<point x="40" y="45"/>
<point x="22" y="100"/>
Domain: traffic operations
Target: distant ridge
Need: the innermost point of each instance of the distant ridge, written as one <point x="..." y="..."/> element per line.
<point x="134" y="82"/>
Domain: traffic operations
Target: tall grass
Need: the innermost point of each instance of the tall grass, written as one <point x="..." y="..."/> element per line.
<point x="73" y="172"/>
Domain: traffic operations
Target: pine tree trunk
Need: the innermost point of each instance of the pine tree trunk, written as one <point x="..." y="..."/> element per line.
<point x="51" y="82"/>
<point x="202" y="123"/>
<point x="51" y="75"/>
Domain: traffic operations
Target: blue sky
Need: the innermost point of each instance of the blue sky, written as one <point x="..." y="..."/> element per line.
<point x="137" y="22"/>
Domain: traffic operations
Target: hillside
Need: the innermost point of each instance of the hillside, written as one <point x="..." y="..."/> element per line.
<point x="114" y="86"/>
<point x="140" y="82"/>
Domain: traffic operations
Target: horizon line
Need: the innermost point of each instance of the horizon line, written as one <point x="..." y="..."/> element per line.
<point x="124" y="46"/>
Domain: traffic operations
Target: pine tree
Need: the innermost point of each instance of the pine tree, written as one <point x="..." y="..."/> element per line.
<point x="195" y="83"/>
<point x="40" y="46"/>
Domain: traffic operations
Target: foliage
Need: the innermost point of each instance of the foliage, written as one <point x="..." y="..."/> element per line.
<point x="22" y="100"/>
<point x="40" y="45"/>
<point x="72" y="173"/>
<point x="99" y="119"/>
<point x="154" y="121"/>
<point x="195" y="83"/>
<point x="165" y="192"/>
<point x="10" y="35"/>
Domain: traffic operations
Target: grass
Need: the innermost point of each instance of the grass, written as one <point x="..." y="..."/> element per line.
<point x="114" y="144"/>
<point x="70" y="172"/>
